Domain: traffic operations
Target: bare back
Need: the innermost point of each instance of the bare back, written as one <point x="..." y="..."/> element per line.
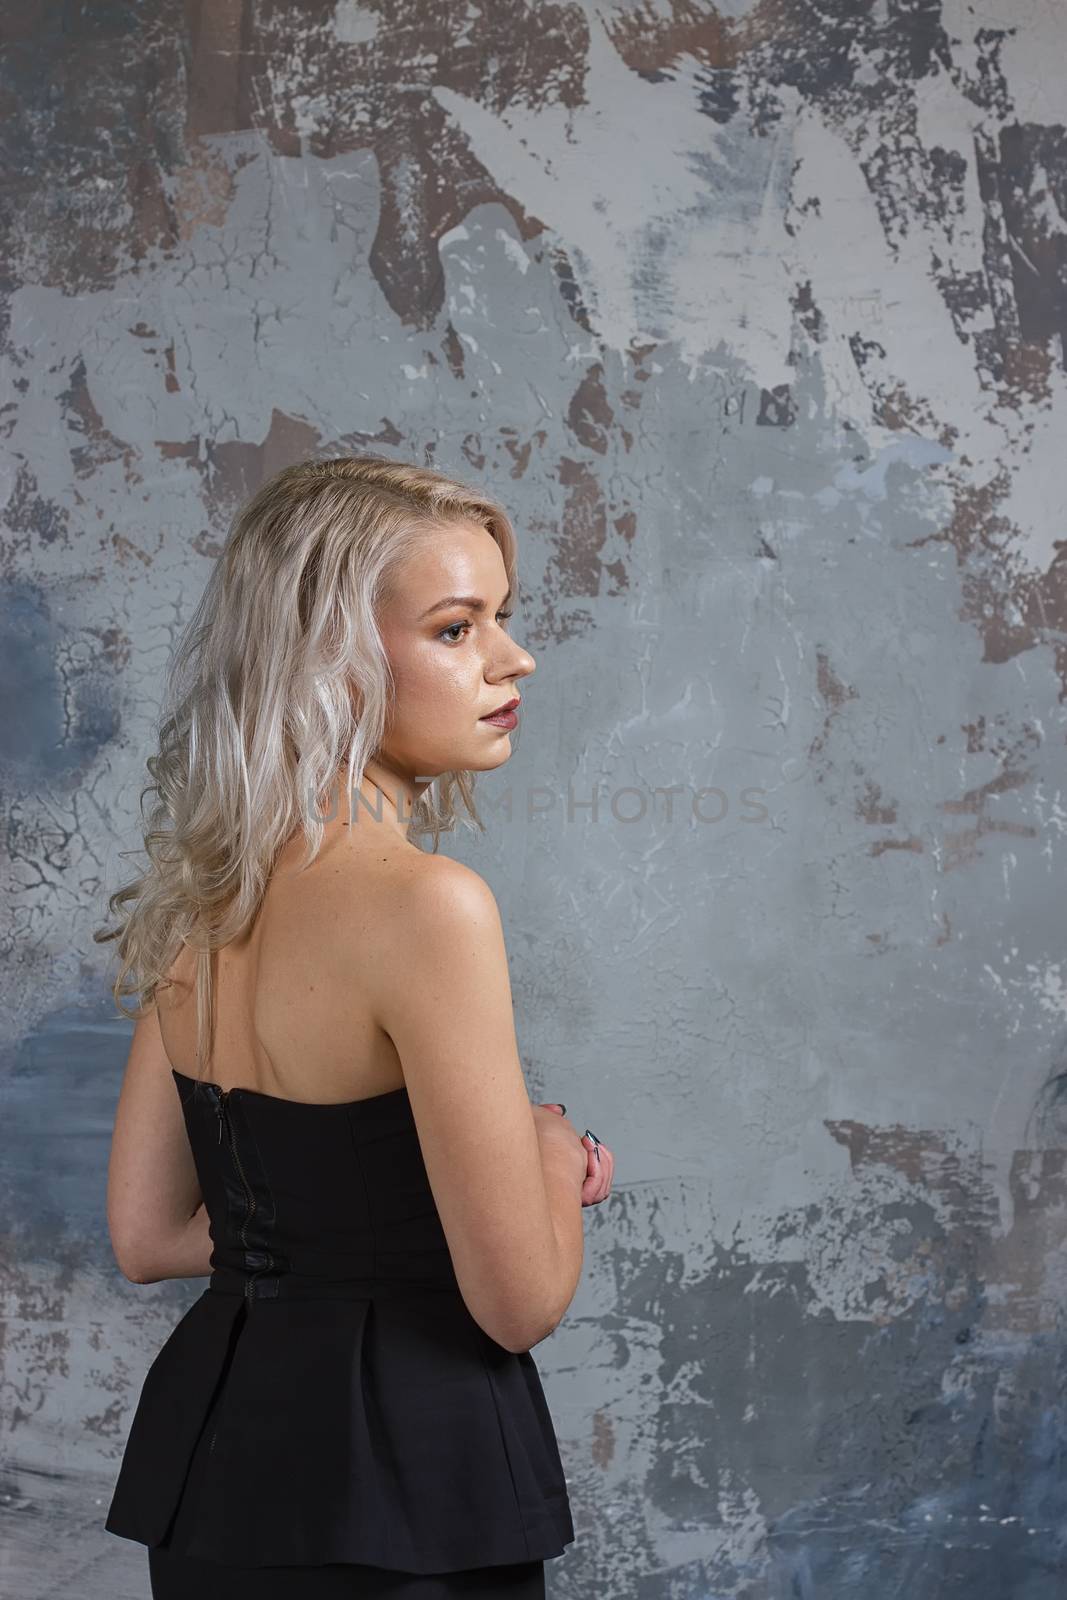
<point x="379" y="941"/>
<point x="295" y="997"/>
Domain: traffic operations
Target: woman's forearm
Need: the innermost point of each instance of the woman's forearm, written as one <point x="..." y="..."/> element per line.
<point x="565" y="1205"/>
<point x="186" y="1255"/>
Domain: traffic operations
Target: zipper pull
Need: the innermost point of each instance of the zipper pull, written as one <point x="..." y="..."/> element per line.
<point x="220" y="1107"/>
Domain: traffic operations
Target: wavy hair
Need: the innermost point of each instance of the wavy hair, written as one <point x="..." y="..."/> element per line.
<point x="279" y="678"/>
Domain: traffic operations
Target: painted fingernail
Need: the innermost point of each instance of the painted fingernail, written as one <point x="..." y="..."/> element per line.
<point x="592" y="1135"/>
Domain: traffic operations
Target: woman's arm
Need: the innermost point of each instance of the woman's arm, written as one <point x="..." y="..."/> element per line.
<point x="185" y="1254"/>
<point x="154" y="1206"/>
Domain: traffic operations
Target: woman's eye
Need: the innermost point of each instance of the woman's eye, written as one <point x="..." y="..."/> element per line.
<point x="448" y="633"/>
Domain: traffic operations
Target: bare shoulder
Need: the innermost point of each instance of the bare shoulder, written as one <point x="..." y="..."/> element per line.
<point x="441" y="914"/>
<point x="390" y="877"/>
<point x="440" y="886"/>
<point x="394" y="914"/>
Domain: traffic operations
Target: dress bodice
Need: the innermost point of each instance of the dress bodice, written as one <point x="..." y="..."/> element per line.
<point x="329" y="1397"/>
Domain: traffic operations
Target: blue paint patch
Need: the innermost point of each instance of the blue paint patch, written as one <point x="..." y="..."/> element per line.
<point x="58" y="1092"/>
<point x="49" y="730"/>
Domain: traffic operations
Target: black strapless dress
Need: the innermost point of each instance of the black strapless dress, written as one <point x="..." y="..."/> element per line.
<point x="329" y="1398"/>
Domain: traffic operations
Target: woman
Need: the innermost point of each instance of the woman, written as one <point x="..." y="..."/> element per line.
<point x="324" y="1106"/>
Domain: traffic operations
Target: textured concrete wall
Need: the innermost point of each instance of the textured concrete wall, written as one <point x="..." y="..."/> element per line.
<point x="754" y="314"/>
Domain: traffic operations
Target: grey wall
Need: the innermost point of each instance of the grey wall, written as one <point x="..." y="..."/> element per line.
<point x="754" y="315"/>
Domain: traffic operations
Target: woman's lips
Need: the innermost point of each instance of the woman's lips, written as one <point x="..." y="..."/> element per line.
<point x="502" y="719"/>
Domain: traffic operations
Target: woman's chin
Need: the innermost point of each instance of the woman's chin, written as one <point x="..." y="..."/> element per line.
<point x="499" y="751"/>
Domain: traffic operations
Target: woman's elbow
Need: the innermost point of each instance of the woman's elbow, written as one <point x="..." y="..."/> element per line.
<point x="129" y="1261"/>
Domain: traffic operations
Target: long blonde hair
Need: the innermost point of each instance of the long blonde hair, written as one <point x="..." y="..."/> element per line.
<point x="258" y="716"/>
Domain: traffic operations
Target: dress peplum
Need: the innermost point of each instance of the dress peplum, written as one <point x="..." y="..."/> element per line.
<point x="329" y="1397"/>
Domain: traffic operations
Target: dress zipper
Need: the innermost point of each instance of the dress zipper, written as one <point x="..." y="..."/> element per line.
<point x="222" y="1108"/>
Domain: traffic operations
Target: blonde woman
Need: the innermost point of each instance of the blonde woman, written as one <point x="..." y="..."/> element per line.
<point x="324" y="1107"/>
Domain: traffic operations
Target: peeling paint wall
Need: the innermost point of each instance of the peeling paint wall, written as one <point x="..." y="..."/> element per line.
<point x="754" y="314"/>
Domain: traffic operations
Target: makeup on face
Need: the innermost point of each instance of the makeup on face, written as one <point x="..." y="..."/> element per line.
<point x="505" y="716"/>
<point x="455" y="665"/>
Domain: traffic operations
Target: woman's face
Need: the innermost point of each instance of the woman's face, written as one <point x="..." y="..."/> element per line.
<point x="453" y="660"/>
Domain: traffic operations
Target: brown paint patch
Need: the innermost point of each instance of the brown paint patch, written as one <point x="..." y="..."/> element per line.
<point x="835" y="694"/>
<point x="126" y="551"/>
<point x="96" y="203"/>
<point x="178" y="449"/>
<point x="651" y="41"/>
<point x="1013" y="610"/>
<point x="589" y="416"/>
<point x="583" y="530"/>
<point x="933" y="1159"/>
<point x="207" y="545"/>
<point x="224" y="55"/>
<point x="626" y="525"/>
<point x="880" y="848"/>
<point x="591" y="544"/>
<point x="1013" y="751"/>
<point x="820" y="54"/>
<point x="870" y="807"/>
<point x="877" y="811"/>
<point x="520" y="450"/>
<point x="204" y="187"/>
<point x="115" y="645"/>
<point x="99" y="445"/>
<point x="231" y="472"/>
<point x="452" y="345"/>
<point x="236" y="470"/>
<point x="976" y="528"/>
<point x="895" y="407"/>
<point x="388" y="434"/>
<point x="259" y="67"/>
<point x="569" y="287"/>
<point x="1019" y="1271"/>
<point x="97" y="91"/>
<point x="473" y="451"/>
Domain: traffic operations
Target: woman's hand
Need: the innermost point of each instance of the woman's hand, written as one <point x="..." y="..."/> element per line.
<point x="552" y="1122"/>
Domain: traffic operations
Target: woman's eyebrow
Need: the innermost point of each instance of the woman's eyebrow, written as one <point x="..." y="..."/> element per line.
<point x="470" y="600"/>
